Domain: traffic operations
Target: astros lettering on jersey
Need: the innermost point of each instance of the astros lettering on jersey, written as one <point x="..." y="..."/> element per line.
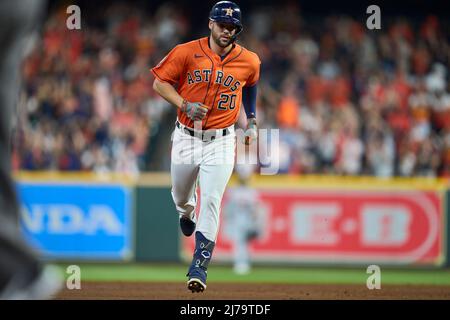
<point x="203" y="77"/>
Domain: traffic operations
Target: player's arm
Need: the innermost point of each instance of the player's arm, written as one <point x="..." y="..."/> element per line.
<point x="194" y="110"/>
<point x="167" y="73"/>
<point x="249" y="101"/>
<point x="168" y="92"/>
<point x="249" y="92"/>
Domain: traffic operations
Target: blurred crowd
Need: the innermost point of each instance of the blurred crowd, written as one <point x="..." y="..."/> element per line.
<point x="347" y="100"/>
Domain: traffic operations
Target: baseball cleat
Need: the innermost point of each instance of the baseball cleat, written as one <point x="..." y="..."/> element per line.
<point x="187" y="226"/>
<point x="197" y="279"/>
<point x="196" y="285"/>
<point x="197" y="272"/>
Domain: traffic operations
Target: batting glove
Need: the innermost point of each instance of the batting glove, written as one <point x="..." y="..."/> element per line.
<point x="194" y="110"/>
<point x="251" y="133"/>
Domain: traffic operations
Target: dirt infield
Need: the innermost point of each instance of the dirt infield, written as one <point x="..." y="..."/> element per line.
<point x="242" y="291"/>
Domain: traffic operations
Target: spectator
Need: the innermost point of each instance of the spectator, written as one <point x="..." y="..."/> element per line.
<point x="346" y="100"/>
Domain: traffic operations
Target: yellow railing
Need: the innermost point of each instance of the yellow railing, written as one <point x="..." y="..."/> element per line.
<point x="260" y="181"/>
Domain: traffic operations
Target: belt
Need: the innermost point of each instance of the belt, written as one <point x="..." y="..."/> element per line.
<point x="208" y="135"/>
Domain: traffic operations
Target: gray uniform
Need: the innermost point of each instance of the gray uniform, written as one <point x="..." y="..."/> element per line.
<point x="242" y="224"/>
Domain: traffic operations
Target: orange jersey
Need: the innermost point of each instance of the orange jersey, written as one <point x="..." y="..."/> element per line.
<point x="201" y="76"/>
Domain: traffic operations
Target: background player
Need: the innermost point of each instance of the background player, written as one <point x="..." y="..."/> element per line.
<point x="213" y="75"/>
<point x="242" y="218"/>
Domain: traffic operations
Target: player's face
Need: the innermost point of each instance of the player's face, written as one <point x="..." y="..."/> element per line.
<point x="222" y="33"/>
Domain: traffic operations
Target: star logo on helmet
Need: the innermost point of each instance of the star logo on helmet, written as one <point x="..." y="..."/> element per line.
<point x="229" y="12"/>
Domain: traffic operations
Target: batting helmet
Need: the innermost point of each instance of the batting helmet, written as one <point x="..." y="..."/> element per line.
<point x="227" y="12"/>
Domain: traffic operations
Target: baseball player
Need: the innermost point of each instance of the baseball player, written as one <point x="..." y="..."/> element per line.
<point x="213" y="76"/>
<point x="243" y="221"/>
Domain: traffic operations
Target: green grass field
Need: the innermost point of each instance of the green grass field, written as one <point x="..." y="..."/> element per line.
<point x="294" y="275"/>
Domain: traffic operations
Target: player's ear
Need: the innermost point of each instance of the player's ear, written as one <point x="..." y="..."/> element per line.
<point x="210" y="24"/>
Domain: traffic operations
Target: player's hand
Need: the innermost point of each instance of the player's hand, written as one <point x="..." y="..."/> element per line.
<point x="194" y="110"/>
<point x="251" y="133"/>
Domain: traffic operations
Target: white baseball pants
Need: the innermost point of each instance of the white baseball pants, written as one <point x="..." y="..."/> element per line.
<point x="205" y="161"/>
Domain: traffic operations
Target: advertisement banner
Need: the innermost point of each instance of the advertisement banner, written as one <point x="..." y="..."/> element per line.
<point x="77" y="220"/>
<point x="353" y="226"/>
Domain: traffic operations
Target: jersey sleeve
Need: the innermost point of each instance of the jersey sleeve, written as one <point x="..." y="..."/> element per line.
<point x="255" y="65"/>
<point x="171" y="66"/>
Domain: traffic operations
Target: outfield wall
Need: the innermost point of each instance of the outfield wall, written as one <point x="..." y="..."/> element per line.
<point x="347" y="221"/>
<point x="77" y="217"/>
<point x="307" y="219"/>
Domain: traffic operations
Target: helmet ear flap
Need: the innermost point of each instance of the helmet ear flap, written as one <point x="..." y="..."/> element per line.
<point x="238" y="31"/>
